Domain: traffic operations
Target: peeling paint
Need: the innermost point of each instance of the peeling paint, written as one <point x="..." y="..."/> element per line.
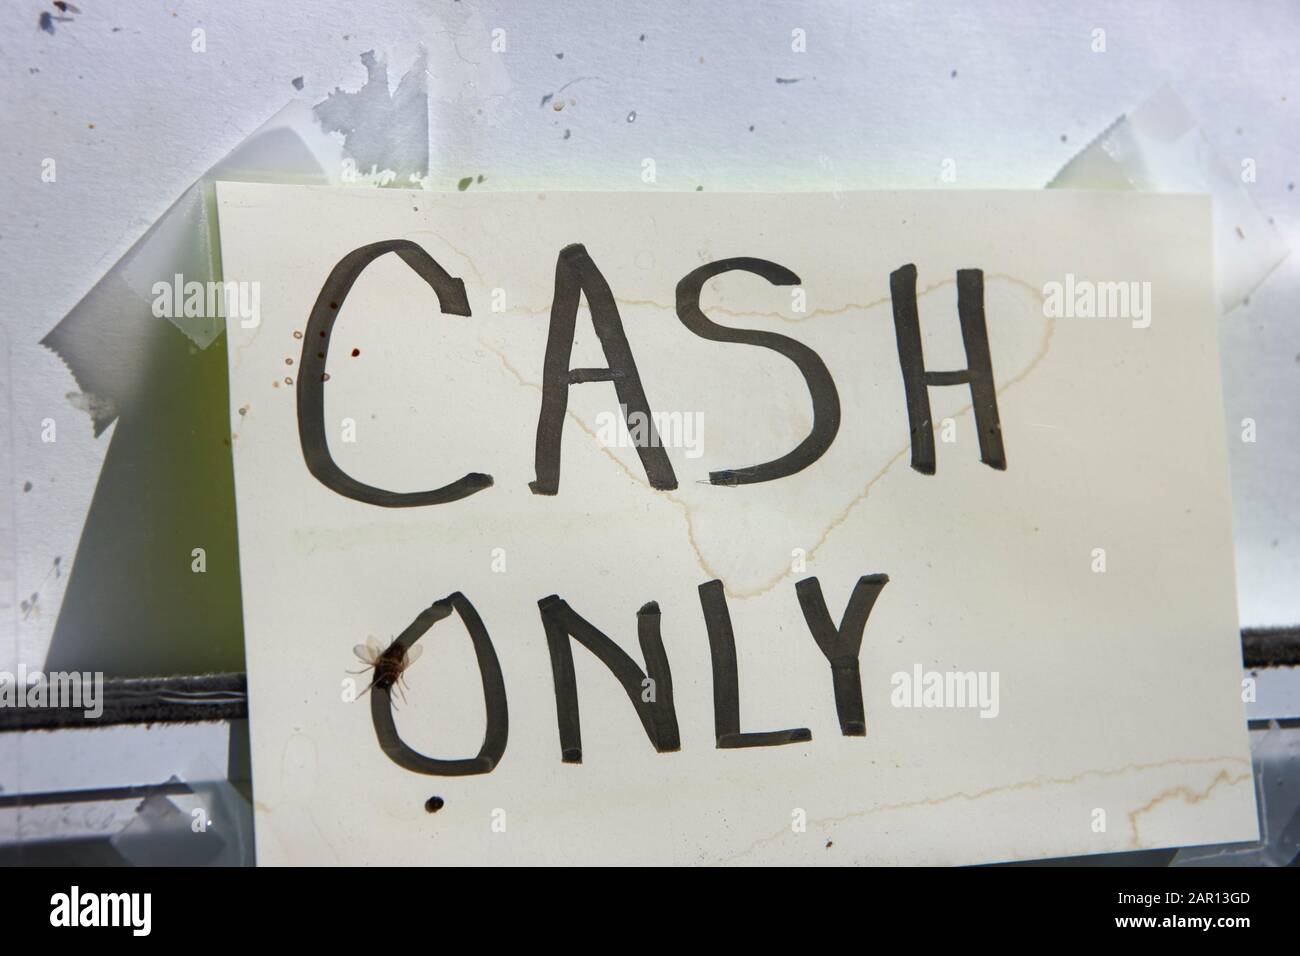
<point x="383" y="131"/>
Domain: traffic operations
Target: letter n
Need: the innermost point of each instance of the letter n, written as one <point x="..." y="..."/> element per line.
<point x="658" y="716"/>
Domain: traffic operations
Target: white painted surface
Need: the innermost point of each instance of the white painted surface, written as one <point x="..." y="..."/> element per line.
<point x="876" y="105"/>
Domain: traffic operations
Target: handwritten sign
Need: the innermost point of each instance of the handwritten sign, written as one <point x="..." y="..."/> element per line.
<point x="692" y="528"/>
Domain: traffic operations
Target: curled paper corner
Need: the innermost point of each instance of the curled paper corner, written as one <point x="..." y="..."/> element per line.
<point x="173" y="271"/>
<point x="1158" y="147"/>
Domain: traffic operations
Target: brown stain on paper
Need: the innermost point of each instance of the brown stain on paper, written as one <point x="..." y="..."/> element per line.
<point x="704" y="564"/>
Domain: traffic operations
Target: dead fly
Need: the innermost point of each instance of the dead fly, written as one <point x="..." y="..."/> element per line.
<point x="389" y="664"/>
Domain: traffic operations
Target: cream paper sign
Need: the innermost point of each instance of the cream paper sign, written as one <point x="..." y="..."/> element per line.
<point x="693" y="528"/>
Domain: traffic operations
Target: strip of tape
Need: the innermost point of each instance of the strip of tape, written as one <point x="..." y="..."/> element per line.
<point x="1158" y="147"/>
